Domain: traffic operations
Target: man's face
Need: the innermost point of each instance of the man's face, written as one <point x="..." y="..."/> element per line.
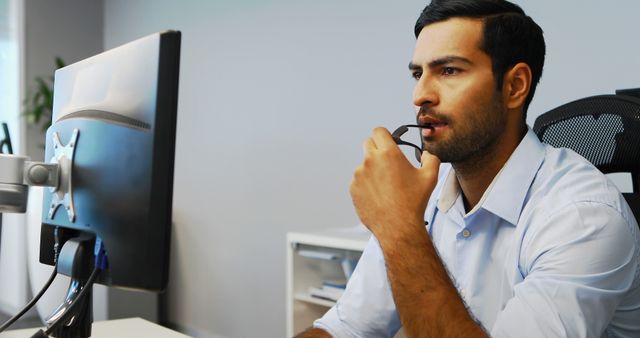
<point x="456" y="91"/>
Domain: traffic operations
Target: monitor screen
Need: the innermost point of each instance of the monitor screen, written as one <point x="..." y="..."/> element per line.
<point x="113" y="136"/>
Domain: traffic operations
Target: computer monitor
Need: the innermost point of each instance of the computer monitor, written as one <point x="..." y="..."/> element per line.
<point x="114" y="116"/>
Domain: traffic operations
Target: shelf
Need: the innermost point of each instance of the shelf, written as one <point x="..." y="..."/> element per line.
<point x="354" y="238"/>
<point x="305" y="297"/>
<point x="313" y="258"/>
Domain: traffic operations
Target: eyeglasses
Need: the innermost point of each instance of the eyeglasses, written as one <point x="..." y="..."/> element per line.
<point x="401" y="131"/>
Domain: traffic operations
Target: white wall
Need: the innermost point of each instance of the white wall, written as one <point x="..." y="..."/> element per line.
<point x="592" y="49"/>
<point x="70" y="29"/>
<point x="276" y="98"/>
<point x="13" y="275"/>
<point x="11" y="17"/>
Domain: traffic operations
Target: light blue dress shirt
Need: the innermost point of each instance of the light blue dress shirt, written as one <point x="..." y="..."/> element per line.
<point x="551" y="250"/>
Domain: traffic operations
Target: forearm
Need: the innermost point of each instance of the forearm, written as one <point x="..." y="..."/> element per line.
<point x="313" y="333"/>
<point x="427" y="301"/>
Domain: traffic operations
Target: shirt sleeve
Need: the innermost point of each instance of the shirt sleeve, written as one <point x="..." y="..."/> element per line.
<point x="577" y="266"/>
<point x="366" y="309"/>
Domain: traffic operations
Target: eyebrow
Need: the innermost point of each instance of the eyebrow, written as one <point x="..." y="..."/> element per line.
<point x="441" y="61"/>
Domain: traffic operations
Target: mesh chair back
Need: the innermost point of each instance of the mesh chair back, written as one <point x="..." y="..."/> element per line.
<point x="605" y="129"/>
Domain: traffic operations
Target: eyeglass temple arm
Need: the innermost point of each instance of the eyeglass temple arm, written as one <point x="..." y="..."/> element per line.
<point x="401" y="131"/>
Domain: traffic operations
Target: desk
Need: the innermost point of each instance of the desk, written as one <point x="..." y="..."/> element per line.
<point x="121" y="328"/>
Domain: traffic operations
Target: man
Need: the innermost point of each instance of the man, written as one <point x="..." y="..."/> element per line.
<point x="523" y="240"/>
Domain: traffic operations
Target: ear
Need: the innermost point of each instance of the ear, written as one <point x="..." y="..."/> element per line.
<point x="517" y="83"/>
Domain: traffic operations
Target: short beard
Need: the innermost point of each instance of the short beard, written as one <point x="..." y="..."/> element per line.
<point x="474" y="137"/>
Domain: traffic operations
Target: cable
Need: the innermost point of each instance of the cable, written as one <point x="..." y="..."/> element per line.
<point x="74" y="303"/>
<point x="31" y="303"/>
<point x="35" y="299"/>
<point x="99" y="265"/>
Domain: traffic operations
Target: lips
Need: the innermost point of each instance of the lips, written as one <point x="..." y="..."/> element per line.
<point x="431" y="125"/>
<point x="430" y="121"/>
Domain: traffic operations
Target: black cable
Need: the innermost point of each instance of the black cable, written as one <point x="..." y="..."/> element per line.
<point x="76" y="301"/>
<point x="35" y="299"/>
<point x="31" y="303"/>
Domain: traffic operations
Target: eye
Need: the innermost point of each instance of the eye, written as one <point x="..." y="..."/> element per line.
<point x="416" y="74"/>
<point x="448" y="71"/>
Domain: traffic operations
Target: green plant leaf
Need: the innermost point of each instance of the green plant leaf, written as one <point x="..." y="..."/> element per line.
<point x="43" y="87"/>
<point x="36" y="99"/>
<point x="30" y="117"/>
<point x="59" y="62"/>
<point x="38" y="105"/>
<point x="37" y="114"/>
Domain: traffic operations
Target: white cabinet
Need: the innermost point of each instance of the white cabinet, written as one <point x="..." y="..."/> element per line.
<point x="313" y="258"/>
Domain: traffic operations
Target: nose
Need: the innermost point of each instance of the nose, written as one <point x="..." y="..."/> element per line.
<point x="425" y="93"/>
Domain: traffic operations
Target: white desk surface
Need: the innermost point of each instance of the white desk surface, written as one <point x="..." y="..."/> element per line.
<point x="120" y="328"/>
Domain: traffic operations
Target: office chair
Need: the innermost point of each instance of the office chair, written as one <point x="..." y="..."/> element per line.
<point x="604" y="129"/>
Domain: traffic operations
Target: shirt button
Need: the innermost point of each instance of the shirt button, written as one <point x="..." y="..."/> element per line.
<point x="466" y="233"/>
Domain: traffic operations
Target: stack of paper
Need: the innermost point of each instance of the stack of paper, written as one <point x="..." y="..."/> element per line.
<point x="330" y="290"/>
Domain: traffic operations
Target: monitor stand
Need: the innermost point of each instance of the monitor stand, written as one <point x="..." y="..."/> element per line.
<point x="76" y="260"/>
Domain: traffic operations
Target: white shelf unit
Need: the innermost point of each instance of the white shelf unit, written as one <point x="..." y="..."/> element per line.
<point x="304" y="272"/>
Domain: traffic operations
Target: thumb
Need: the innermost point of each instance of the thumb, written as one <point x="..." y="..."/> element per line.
<point x="429" y="162"/>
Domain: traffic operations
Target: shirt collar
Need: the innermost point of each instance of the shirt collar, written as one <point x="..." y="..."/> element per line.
<point x="506" y="194"/>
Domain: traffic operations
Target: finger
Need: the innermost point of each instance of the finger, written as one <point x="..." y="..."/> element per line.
<point x="429" y="162"/>
<point x="369" y="145"/>
<point x="382" y="138"/>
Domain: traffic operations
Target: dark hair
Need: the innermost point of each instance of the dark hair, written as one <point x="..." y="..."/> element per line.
<point x="510" y="36"/>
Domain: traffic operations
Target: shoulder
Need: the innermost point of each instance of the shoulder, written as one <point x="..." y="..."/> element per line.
<point x="566" y="179"/>
<point x="573" y="208"/>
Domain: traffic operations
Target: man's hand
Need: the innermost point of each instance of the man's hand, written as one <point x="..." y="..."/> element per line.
<point x="313" y="333"/>
<point x="390" y="196"/>
<point x="388" y="192"/>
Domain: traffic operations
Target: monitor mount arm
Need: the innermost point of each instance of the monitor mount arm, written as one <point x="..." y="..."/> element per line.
<point x="17" y="173"/>
<point x="76" y="257"/>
